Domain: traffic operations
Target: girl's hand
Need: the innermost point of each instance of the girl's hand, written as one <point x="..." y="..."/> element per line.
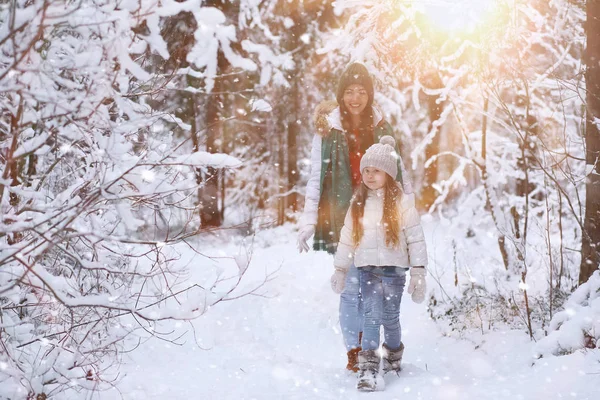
<point x="338" y="281"/>
<point x="418" y="285"/>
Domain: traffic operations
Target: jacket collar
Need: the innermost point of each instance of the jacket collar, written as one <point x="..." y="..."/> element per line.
<point x="335" y="118"/>
<point x="376" y="193"/>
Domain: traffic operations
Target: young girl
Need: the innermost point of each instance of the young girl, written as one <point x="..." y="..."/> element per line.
<point x="382" y="236"/>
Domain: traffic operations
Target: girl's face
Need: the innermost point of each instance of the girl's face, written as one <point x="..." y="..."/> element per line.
<point x="356" y="98"/>
<point x="373" y="178"/>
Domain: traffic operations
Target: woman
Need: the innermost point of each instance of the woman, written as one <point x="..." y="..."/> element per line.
<point x="345" y="131"/>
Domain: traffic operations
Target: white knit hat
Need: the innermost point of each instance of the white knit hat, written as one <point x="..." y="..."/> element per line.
<point x="382" y="156"/>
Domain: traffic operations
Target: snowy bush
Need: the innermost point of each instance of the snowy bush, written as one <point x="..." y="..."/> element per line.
<point x="524" y="150"/>
<point x="577" y="326"/>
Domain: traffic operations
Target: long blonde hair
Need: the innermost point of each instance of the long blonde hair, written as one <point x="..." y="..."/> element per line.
<point x="391" y="214"/>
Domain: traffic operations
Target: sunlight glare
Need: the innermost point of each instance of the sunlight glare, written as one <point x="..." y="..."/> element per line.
<point x="454" y="16"/>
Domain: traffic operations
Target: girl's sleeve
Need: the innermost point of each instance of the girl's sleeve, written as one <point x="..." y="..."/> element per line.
<point x="344" y="256"/>
<point x="413" y="232"/>
<point x="313" y="187"/>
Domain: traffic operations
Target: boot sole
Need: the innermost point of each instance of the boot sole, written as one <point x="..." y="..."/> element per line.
<point x="393" y="371"/>
<point x="366" y="389"/>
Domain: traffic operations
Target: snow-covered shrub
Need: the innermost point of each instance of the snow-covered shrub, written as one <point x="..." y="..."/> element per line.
<point x="522" y="139"/>
<point x="577" y="326"/>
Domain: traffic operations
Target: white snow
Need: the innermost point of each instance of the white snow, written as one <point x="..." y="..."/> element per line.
<point x="261" y="105"/>
<point x="204" y="158"/>
<point x="581" y="315"/>
<point x="285" y="343"/>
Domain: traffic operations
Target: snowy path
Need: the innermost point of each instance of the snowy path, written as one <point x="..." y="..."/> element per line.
<point x="288" y="346"/>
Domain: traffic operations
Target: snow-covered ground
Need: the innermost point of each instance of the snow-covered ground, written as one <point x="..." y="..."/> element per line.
<point x="285" y="343"/>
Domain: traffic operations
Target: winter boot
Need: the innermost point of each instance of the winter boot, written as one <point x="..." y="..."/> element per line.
<point x="353" y="356"/>
<point x="353" y="360"/>
<point x="368" y="364"/>
<point x="392" y="359"/>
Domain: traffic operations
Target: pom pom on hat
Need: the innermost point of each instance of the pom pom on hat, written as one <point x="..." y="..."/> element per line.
<point x="387" y="139"/>
<point x="382" y="156"/>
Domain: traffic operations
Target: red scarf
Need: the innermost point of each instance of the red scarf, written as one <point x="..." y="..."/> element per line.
<point x="354" y="149"/>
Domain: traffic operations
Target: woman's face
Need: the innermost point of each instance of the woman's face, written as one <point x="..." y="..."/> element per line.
<point x="356" y="98"/>
<point x="373" y="178"/>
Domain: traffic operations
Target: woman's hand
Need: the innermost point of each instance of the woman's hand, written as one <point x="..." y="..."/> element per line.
<point x="418" y="285"/>
<point x="303" y="235"/>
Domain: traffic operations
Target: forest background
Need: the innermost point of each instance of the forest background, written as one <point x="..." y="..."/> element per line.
<point x="130" y="128"/>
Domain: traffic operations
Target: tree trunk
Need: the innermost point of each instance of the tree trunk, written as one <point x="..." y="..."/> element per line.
<point x="591" y="235"/>
<point x="210" y="215"/>
<point x="11" y="170"/>
<point x="429" y="194"/>
<point x="293" y="127"/>
<point x="292" y="150"/>
<point x="489" y="191"/>
<point x="281" y="145"/>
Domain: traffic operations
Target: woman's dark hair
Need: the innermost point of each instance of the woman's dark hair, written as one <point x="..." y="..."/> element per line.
<point x="357" y="73"/>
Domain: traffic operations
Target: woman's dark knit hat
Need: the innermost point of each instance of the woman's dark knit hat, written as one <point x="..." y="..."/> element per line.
<point x="355" y="73"/>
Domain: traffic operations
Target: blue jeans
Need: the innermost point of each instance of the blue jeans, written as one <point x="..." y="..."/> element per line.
<point x="351" y="313"/>
<point x="381" y="289"/>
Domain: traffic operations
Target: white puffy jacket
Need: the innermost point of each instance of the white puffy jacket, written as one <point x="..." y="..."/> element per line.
<point x="313" y="190"/>
<point x="372" y="249"/>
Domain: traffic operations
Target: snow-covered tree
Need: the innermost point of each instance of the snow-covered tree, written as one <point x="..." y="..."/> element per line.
<point x="95" y="189"/>
<point x="289" y="32"/>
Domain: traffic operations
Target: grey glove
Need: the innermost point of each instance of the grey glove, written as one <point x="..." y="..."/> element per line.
<point x="303" y="235"/>
<point x="338" y="280"/>
<point x="418" y="284"/>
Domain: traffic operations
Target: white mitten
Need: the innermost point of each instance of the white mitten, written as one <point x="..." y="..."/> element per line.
<point x="338" y="281"/>
<point x="303" y="235"/>
<point x="417" y="285"/>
